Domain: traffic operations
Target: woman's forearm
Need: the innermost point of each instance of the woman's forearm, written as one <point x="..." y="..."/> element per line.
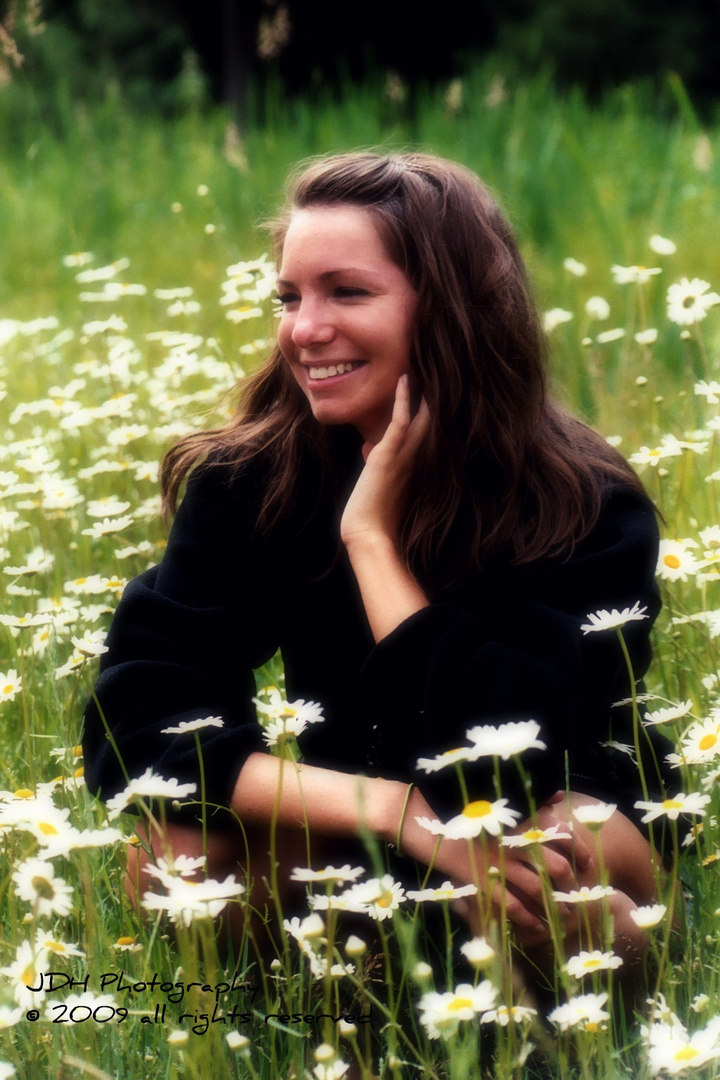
<point x="323" y="800"/>
<point x="390" y="593"/>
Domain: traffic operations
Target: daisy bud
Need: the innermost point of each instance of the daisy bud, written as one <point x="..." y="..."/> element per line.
<point x="422" y="971"/>
<point x="355" y="946"/>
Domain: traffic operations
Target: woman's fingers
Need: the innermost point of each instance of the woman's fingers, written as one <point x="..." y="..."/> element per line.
<point x="406" y="432"/>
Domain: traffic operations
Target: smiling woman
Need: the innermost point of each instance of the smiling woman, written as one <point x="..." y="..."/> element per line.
<point x="399" y="507"/>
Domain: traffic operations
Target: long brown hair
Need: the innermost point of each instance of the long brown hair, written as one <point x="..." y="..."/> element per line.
<point x="504" y="472"/>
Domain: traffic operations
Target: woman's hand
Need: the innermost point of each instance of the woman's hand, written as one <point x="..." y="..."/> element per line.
<point x="520" y="894"/>
<point x="370" y="525"/>
<point x="374" y="507"/>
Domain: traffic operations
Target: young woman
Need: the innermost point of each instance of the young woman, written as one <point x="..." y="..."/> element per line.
<point x="399" y="507"/>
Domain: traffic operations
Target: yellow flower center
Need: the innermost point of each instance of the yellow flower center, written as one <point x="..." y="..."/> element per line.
<point x="24" y="793"/>
<point x="591" y="963"/>
<point x="707" y="742"/>
<point x="479" y="808"/>
<point x="47" y="829"/>
<point x="8" y="688"/>
<point x="671" y="804"/>
<point x="385" y="900"/>
<point x="54" y="946"/>
<point x="534" y="834"/>
<point x="28" y="975"/>
<point x="125" y="941"/>
<point x="79" y="772"/>
<point x="592" y="1025"/>
<point x="686" y="1054"/>
<point x="447" y="753"/>
<point x="459" y="1003"/>
<point x="672" y="561"/>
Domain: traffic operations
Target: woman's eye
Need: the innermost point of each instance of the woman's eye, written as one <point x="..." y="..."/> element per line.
<point x="346" y="291"/>
<point x="286" y="298"/>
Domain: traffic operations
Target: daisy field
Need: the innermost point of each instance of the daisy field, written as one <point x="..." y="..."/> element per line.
<point x="135" y="292"/>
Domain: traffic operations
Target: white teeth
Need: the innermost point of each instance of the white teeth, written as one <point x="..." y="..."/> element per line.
<point x="333" y="369"/>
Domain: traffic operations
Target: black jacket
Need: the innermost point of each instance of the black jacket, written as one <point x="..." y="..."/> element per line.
<point x="506" y="645"/>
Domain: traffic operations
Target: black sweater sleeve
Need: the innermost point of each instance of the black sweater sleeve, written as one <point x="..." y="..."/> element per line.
<point x="511" y="647"/>
<point x="182" y="646"/>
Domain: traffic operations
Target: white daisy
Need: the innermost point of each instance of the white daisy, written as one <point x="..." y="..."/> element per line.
<point x="25" y="974"/>
<point x="440" y="1014"/>
<point x="148" y="786"/>
<point x="190" y="900"/>
<point x="330" y="873"/>
<point x="633" y="275"/>
<point x="594" y="814"/>
<point x="584" y="1010"/>
<point x="478" y="816"/>
<point x="10" y="685"/>
<point x="661" y="245"/>
<point x="648" y="916"/>
<point x="608" y="336"/>
<point x="710" y="391"/>
<point x="506" y="740"/>
<point x="309" y="928"/>
<point x="555" y="317"/>
<point x="587" y="963"/>
<point x="668" y="714"/>
<point x="194" y="725"/>
<point x="675" y="560"/>
<point x="584" y="895"/>
<point x="647" y="456"/>
<point x="646" y="337"/>
<point x="577" y="269"/>
<point x="598" y="308"/>
<point x="446" y="891"/>
<point x="688" y="302"/>
<point x="377" y="897"/>
<point x="694" y="803"/>
<point x="35" y="882"/>
<point x="701" y="742"/>
<point x="236" y="1041"/>
<point x="448" y="757"/>
<point x="478" y="952"/>
<point x="610" y="620"/>
<point x="671" y="1049"/>
<point x="108" y="527"/>
<point x="519" y="1014"/>
<point x="536" y="836"/>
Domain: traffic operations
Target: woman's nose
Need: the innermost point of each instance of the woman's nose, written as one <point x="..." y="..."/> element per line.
<point x="312" y="325"/>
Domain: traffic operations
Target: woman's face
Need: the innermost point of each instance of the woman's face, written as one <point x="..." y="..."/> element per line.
<point x="347" y="317"/>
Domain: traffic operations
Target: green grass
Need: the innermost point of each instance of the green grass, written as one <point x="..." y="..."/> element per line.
<point x="593" y="184"/>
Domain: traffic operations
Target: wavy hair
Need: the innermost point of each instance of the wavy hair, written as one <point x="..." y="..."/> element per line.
<point x="504" y="472"/>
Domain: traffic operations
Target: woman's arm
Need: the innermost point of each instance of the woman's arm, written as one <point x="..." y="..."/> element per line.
<point x="336" y="804"/>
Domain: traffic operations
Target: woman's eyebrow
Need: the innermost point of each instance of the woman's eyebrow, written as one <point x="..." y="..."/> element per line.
<point x="336" y="273"/>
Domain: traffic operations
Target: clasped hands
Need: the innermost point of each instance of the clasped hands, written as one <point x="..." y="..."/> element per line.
<point x="520" y="894"/>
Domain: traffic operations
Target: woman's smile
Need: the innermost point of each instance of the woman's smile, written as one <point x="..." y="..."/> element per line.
<point x="348" y="313"/>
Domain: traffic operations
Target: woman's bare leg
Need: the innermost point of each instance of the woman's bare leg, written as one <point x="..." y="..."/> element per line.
<point x="244" y="854"/>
